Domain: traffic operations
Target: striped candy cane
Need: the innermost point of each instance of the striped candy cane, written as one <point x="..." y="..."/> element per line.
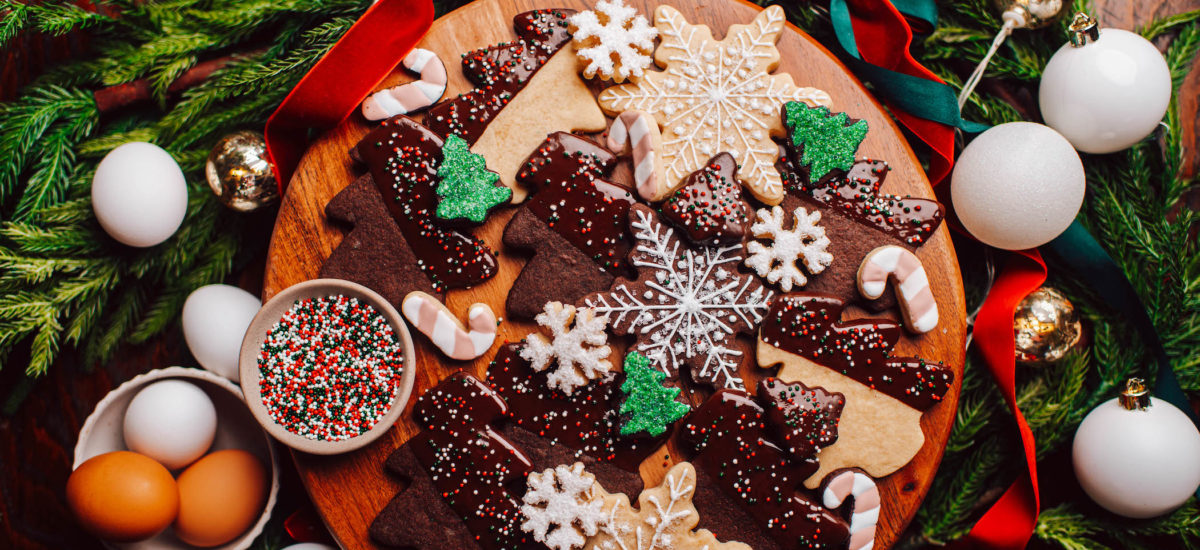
<point x="865" y="514"/>
<point x="636" y="132"/>
<point x="414" y="96"/>
<point x="432" y="318"/>
<point x="912" y="285"/>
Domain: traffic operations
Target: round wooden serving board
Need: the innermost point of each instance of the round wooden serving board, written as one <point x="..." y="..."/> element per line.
<point x="350" y="489"/>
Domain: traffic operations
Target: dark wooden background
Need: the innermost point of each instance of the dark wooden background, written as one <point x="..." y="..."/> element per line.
<point x="37" y="442"/>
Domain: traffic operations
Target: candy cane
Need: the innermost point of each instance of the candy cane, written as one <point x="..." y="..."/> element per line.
<point x="414" y="96"/>
<point x="432" y="318"/>
<point x="865" y="514"/>
<point x="912" y="285"/>
<point x="636" y="132"/>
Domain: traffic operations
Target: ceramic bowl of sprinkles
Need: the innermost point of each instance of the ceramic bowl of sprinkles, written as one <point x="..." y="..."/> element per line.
<point x="327" y="366"/>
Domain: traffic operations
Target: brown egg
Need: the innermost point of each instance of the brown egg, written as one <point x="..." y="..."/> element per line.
<point x="220" y="497"/>
<point x="123" y="496"/>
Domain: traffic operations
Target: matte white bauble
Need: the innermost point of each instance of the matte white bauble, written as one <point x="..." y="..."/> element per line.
<point x="1017" y="185"/>
<point x="173" y="422"/>
<point x="1137" y="463"/>
<point x="139" y="194"/>
<point x="1106" y="95"/>
<point x="215" y="319"/>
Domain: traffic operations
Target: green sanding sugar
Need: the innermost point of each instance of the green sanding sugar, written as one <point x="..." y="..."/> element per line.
<point x="468" y="189"/>
<point x="827" y="141"/>
<point x="649" y="406"/>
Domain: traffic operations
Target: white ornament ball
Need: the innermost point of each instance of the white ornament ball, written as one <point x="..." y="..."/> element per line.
<point x="1137" y="463"/>
<point x="139" y="194"/>
<point x="1108" y="94"/>
<point x="173" y="422"/>
<point x="215" y="319"/>
<point x="1017" y="185"/>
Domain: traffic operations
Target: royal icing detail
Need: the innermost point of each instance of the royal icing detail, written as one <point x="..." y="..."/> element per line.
<point x="433" y="319"/>
<point x="898" y="264"/>
<point x="613" y="40"/>
<point x="686" y="305"/>
<point x="717" y="96"/>
<point x="864" y="515"/>
<point x="636" y="133"/>
<point x="559" y="507"/>
<point x="805" y="242"/>
<point x="825" y="142"/>
<point x="579" y="353"/>
<point x="709" y="207"/>
<point x="413" y="96"/>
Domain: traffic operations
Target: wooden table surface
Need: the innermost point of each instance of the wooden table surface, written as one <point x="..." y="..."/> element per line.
<point x="37" y="443"/>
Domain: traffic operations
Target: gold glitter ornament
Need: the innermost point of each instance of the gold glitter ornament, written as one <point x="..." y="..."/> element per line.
<point x="239" y="174"/>
<point x="1046" y="326"/>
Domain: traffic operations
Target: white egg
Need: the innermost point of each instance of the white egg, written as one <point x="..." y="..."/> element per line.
<point x="215" y="318"/>
<point x="139" y="194"/>
<point x="171" y="421"/>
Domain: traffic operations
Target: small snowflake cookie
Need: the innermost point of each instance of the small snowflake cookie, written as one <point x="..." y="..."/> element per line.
<point x="580" y="352"/>
<point x="560" y="507"/>
<point x="613" y="40"/>
<point x="805" y="243"/>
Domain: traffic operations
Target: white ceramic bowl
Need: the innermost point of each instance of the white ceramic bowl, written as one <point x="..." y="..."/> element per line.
<point x="271" y="312"/>
<point x="236" y="429"/>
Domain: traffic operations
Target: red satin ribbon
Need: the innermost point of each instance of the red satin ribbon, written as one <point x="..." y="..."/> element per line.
<point x="337" y="84"/>
<point x="883" y="37"/>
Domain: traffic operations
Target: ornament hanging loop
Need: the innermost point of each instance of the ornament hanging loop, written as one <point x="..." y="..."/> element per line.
<point x="1135" y="396"/>
<point x="1083" y="30"/>
<point x="1018" y="14"/>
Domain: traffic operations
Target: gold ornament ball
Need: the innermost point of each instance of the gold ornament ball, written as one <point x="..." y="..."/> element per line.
<point x="239" y="174"/>
<point x="1046" y="326"/>
<point x="1037" y="13"/>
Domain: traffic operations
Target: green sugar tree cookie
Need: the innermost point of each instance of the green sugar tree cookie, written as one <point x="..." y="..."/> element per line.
<point x="827" y="142"/>
<point x="648" y="406"/>
<point x="467" y="189"/>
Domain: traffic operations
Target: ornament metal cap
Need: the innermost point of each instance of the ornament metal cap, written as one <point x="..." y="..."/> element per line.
<point x="1135" y="396"/>
<point x="1030" y="14"/>
<point x="1083" y="30"/>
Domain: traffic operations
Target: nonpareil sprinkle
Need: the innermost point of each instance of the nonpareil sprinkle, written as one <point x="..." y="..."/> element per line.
<point x="330" y="368"/>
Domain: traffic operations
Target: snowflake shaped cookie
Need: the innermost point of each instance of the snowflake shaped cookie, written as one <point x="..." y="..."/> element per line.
<point x="805" y="243"/>
<point x="580" y="352"/>
<point x="687" y="303"/>
<point x="715" y="96"/>
<point x="613" y="40"/>
<point x="560" y="507"/>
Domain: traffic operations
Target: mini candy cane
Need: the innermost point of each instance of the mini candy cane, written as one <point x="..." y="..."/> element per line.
<point x="865" y="514"/>
<point x="637" y="133"/>
<point x="414" y="96"/>
<point x="912" y="285"/>
<point x="445" y="331"/>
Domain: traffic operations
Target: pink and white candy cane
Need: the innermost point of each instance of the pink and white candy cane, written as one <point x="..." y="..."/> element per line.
<point x="864" y="516"/>
<point x="912" y="285"/>
<point x="432" y="318"/>
<point x="636" y="132"/>
<point x="411" y="97"/>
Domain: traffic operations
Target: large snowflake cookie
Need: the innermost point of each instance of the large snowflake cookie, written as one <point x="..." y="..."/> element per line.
<point x="806" y="243"/>
<point x="613" y="40"/>
<point x="560" y="507"/>
<point x="715" y="96"/>
<point x="580" y="352"/>
<point x="687" y="304"/>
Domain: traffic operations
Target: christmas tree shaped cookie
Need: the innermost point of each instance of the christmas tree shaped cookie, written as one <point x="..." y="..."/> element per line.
<point x="709" y="207"/>
<point x="716" y="96"/>
<point x="883" y="394"/>
<point x="467" y="188"/>
<point x="648" y="406"/>
<point x="523" y="91"/>
<point x="575" y="223"/>
<point x="823" y="141"/>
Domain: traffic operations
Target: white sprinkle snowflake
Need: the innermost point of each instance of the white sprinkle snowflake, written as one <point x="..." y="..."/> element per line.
<point x="560" y="508"/>
<point x="615" y="43"/>
<point x="580" y="352"/>
<point x="687" y="304"/>
<point x="717" y="97"/>
<point x="807" y="243"/>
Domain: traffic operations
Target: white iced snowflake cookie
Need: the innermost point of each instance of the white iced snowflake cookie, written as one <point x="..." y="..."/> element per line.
<point x="715" y="96"/>
<point x="560" y="507"/>
<point x="580" y="352"/>
<point x="805" y="243"/>
<point x="613" y="40"/>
